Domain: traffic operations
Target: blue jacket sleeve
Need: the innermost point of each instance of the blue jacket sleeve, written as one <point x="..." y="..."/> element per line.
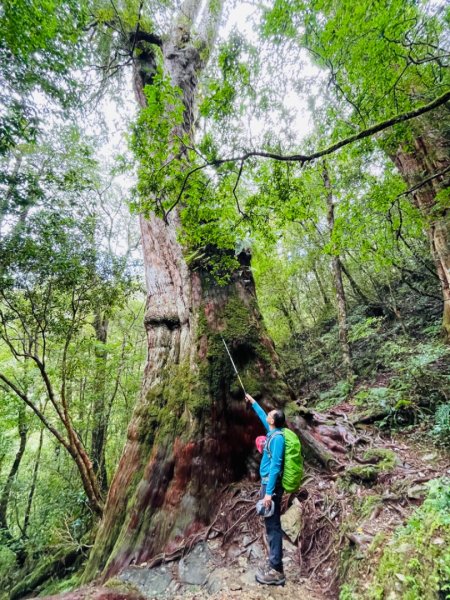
<point x="261" y="414"/>
<point x="276" y="464"/>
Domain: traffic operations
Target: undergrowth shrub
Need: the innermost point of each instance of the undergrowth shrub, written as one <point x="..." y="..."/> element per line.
<point x="441" y="429"/>
<point x="415" y="564"/>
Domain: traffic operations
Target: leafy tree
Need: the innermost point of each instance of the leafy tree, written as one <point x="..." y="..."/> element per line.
<point x="39" y="50"/>
<point x="383" y="63"/>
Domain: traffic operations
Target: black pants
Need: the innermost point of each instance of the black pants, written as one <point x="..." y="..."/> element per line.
<point x="273" y="529"/>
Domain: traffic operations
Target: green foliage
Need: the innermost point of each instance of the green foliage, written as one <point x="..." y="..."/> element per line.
<point x="337" y="394"/>
<point x="390" y="55"/>
<point x="53" y="277"/>
<point x="416" y="562"/>
<point x="157" y="147"/>
<point x="231" y="93"/>
<point x="40" y="51"/>
<point x="364" y="329"/>
<point x="441" y="429"/>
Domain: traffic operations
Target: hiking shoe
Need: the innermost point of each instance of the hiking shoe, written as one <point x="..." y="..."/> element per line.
<point x="269" y="576"/>
<point x="262" y="568"/>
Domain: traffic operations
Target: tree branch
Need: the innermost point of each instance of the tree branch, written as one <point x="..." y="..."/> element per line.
<point x="145" y="36"/>
<point x="306" y="158"/>
<point x="35" y="409"/>
<point x="424" y="182"/>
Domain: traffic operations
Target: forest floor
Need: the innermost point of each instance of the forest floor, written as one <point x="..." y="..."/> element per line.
<point x="337" y="520"/>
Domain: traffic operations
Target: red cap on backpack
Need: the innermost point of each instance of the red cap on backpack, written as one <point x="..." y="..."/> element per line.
<point x="260" y="441"/>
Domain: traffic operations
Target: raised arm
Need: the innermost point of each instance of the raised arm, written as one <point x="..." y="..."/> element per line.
<point x="259" y="411"/>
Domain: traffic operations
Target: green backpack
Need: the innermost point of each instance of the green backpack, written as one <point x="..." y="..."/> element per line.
<point x="293" y="461"/>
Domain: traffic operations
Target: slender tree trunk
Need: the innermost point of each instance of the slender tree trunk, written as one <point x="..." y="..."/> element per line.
<point x="6" y="493"/>
<point x="190" y="432"/>
<point x="338" y="284"/>
<point x="73" y="444"/>
<point x="429" y="155"/>
<point x="26" y="520"/>
<point x="326" y="300"/>
<point x="100" y="409"/>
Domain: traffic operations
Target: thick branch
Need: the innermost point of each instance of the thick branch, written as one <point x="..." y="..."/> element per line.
<point x="145" y="36"/>
<point x="304" y="158"/>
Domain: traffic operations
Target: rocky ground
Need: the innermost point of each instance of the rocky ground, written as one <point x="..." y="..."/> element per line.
<point x="201" y="575"/>
<point x="338" y="513"/>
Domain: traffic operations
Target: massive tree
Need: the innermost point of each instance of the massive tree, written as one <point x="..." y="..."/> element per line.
<point x="190" y="432"/>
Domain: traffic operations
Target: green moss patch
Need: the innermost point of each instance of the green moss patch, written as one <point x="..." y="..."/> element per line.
<point x="384" y="461"/>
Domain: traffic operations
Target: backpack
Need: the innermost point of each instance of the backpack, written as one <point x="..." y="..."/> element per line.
<point x="293" y="461"/>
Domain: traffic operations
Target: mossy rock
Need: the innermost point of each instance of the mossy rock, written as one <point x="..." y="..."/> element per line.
<point x="382" y="461"/>
<point x="364" y="473"/>
<point x="386" y="460"/>
<point x="122" y="586"/>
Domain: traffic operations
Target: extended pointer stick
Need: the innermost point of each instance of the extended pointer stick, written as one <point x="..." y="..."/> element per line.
<point x="234" y="366"/>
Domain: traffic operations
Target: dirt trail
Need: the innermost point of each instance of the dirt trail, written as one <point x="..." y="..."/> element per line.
<point x="379" y="483"/>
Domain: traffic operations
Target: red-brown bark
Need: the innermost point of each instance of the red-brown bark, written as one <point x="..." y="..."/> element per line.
<point x="430" y="154"/>
<point x="190" y="432"/>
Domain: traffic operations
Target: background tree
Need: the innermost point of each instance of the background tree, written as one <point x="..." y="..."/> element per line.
<point x="391" y="59"/>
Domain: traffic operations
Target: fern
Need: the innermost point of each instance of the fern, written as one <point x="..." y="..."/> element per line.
<point x="441" y="429"/>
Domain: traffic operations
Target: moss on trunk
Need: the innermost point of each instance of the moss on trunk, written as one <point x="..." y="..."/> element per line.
<point x="191" y="433"/>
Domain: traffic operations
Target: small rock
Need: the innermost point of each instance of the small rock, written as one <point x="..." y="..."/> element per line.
<point x="288" y="547"/>
<point x="217" y="580"/>
<point x="416" y="492"/>
<point x="438" y="541"/>
<point x="429" y="457"/>
<point x="291" y="521"/>
<point x="242" y="561"/>
<point x="256" y="551"/>
<point x="248" y="578"/>
<point x="233" y="551"/>
<point x="193" y="568"/>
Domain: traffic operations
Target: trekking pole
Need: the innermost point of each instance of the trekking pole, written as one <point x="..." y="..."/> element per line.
<point x="234" y="366"/>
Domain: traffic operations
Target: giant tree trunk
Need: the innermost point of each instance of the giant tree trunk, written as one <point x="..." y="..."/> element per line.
<point x="428" y="156"/>
<point x="190" y="433"/>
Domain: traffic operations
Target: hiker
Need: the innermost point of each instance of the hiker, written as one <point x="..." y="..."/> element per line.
<point x="271" y="489"/>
